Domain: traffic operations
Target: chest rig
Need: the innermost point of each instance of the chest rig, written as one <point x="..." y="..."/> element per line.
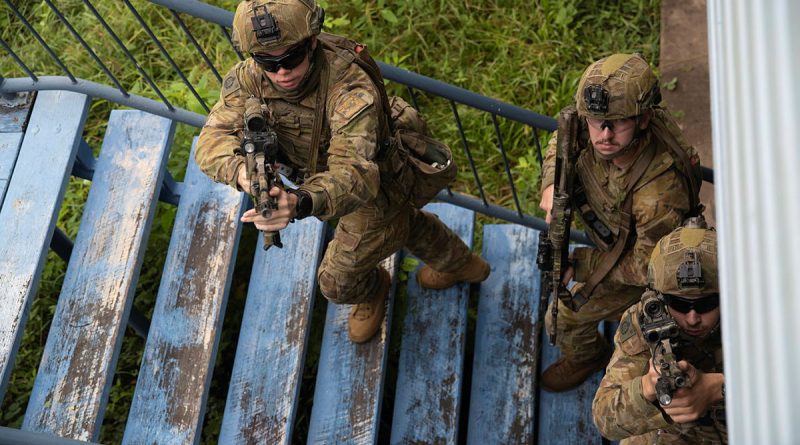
<point x="608" y="214"/>
<point x="603" y="209"/>
<point x="302" y="126"/>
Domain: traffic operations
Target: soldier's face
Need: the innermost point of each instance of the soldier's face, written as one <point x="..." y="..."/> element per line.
<point x="694" y="323"/>
<point x="290" y="78"/>
<point x="610" y="136"/>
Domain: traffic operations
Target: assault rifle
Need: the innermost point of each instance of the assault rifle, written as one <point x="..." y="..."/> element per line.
<point x="260" y="147"/>
<point x="556" y="239"/>
<point x="661" y="333"/>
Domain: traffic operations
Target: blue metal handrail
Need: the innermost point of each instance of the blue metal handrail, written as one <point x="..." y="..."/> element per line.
<point x="223" y="18"/>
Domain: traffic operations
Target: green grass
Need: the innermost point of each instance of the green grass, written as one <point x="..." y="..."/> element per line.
<point x="526" y="52"/>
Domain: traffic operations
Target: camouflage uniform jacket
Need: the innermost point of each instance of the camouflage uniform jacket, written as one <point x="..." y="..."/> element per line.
<point x="660" y="203"/>
<point x="620" y="410"/>
<point x="348" y="175"/>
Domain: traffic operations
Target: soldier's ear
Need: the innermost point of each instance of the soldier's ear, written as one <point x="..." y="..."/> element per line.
<point x="644" y="119"/>
<point x="313" y="43"/>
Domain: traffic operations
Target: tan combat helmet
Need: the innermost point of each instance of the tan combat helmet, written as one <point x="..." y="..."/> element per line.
<point x="617" y="87"/>
<point x="266" y="25"/>
<point x="685" y="261"/>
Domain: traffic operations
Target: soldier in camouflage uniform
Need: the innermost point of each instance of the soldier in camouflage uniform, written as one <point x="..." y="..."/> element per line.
<point x="326" y="112"/>
<point x="629" y="145"/>
<point x="625" y="406"/>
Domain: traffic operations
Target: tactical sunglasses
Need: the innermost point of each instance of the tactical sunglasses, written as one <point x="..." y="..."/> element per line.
<point x="700" y="305"/>
<point x="616" y="125"/>
<point x="289" y="60"/>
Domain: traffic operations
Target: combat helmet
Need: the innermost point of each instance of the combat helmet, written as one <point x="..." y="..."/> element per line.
<point x="266" y="25"/>
<point x="685" y="261"/>
<point x="619" y="86"/>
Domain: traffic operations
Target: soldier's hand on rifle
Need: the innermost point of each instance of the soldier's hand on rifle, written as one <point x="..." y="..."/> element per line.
<point x="241" y="179"/>
<point x="649" y="383"/>
<point x="546" y="203"/>
<point x="692" y="402"/>
<point x="280" y="218"/>
<point x="569" y="274"/>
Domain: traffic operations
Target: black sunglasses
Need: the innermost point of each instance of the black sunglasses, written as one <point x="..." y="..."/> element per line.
<point x="700" y="305"/>
<point x="289" y="60"/>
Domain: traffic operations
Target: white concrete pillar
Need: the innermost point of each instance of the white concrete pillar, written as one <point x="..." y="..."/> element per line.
<point x="754" y="52"/>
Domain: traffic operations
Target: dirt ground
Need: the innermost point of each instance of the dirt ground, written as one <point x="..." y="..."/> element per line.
<point x="685" y="81"/>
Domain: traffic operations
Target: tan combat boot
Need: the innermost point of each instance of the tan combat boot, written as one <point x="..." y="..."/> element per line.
<point x="475" y="271"/>
<point x="565" y="374"/>
<point x="365" y="318"/>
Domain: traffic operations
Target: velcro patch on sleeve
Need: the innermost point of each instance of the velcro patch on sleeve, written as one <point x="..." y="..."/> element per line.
<point x="626" y="329"/>
<point x="353" y="104"/>
<point x="230" y="84"/>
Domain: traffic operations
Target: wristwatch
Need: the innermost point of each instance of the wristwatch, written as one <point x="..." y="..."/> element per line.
<point x="304" y="203"/>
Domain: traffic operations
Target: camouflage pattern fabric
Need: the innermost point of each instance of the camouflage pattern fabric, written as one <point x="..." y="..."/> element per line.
<point x="373" y="232"/>
<point x="296" y="21"/>
<point x="622" y="413"/>
<point x="370" y="196"/>
<point x="631" y="85"/>
<point x="660" y="203"/>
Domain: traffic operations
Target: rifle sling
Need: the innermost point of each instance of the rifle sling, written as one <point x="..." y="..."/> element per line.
<point x="610" y="258"/>
<point x="319" y="118"/>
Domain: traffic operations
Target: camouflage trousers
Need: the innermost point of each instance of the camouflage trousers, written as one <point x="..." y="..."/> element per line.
<point x="365" y="237"/>
<point x="577" y="334"/>
<point x="705" y="435"/>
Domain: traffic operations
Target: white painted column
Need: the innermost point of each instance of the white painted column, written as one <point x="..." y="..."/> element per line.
<point x="754" y="52"/>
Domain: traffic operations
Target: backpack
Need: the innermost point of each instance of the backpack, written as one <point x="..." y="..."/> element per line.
<point x="402" y="131"/>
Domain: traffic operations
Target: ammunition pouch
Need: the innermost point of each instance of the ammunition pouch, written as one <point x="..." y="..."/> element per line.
<point x="430" y="161"/>
<point x="600" y="233"/>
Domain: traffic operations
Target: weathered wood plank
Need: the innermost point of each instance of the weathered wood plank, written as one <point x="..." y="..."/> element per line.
<point x="349" y="389"/>
<point x="430" y="373"/>
<point x="75" y="375"/>
<point x="14" y="111"/>
<point x="172" y="387"/>
<point x="566" y="417"/>
<point x="28" y="216"/>
<point x="268" y="368"/>
<point x="502" y="395"/>
<point x="9" y="149"/>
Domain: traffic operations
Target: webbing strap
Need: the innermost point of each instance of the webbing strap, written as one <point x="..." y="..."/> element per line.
<point x="689" y="170"/>
<point x="319" y="118"/>
<point x="609" y="259"/>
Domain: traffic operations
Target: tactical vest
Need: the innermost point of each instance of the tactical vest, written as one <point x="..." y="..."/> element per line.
<point x="294" y="122"/>
<point x="406" y="154"/>
<point x="600" y="209"/>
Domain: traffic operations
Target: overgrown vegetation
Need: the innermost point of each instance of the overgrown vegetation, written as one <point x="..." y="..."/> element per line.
<point x="525" y="52"/>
